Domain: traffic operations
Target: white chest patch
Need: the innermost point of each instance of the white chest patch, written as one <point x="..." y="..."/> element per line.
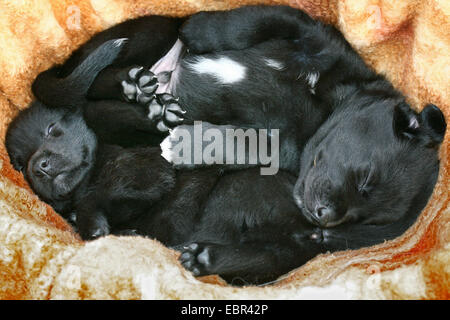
<point x="224" y="69"/>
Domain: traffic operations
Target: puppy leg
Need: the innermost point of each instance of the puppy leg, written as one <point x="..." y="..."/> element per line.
<point x="139" y="84"/>
<point x="91" y="222"/>
<point x="122" y="123"/>
<point x="252" y="263"/>
<point x="242" y="28"/>
<point x="148" y="39"/>
<point x="131" y="84"/>
<point x="135" y="84"/>
<point x="176" y="215"/>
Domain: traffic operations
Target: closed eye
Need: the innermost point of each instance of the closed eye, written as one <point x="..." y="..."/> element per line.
<point x="52" y="130"/>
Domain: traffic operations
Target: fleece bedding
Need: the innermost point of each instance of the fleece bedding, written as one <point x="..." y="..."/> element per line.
<point x="42" y="258"/>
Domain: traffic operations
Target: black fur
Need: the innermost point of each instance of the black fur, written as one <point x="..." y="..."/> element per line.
<point x="358" y="165"/>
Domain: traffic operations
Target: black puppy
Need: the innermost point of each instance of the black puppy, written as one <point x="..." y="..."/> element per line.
<point x="315" y="78"/>
<point x="363" y="155"/>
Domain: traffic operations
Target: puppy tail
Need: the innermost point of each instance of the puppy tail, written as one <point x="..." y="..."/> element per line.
<point x="70" y="92"/>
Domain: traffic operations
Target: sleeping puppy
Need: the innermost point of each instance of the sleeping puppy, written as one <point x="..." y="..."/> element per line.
<point x="358" y="184"/>
<point x="362" y="155"/>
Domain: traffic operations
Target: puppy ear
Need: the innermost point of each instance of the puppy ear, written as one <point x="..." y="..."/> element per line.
<point x="405" y="122"/>
<point x="17" y="164"/>
<point x="428" y="126"/>
<point x="433" y="125"/>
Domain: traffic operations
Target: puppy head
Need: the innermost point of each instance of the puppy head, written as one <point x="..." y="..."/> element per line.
<point x="370" y="165"/>
<point x="53" y="148"/>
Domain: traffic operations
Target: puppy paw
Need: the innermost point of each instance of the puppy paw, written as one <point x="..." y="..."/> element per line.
<point x="165" y="111"/>
<point x="99" y="232"/>
<point x="93" y="228"/>
<point x="196" y="258"/>
<point x="140" y="85"/>
<point x="95" y="232"/>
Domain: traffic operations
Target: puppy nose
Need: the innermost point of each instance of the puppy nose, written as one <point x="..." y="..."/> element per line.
<point x="323" y="215"/>
<point x="42" y="167"/>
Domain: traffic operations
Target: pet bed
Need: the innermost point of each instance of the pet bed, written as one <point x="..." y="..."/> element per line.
<point x="42" y="258"/>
